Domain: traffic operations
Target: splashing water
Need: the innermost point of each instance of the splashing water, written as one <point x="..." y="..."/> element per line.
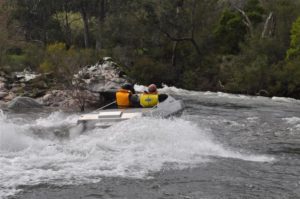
<point x="129" y="149"/>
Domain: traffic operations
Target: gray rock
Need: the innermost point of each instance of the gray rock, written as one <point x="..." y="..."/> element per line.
<point x="3" y="105"/>
<point x="9" y="97"/>
<point x="2" y="86"/>
<point x="101" y="77"/>
<point x="26" y="75"/>
<point x="68" y="99"/>
<point x="23" y="102"/>
<point x="3" y="79"/>
<point x="3" y="94"/>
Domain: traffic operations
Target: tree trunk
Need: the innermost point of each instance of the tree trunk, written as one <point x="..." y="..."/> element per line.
<point x="68" y="32"/>
<point x="174" y="53"/>
<point x="101" y="20"/>
<point x="196" y="46"/>
<point x="86" y="27"/>
<point x="268" y="26"/>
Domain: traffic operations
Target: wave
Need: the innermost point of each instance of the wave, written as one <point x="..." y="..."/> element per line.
<point x="285" y="100"/>
<point x="220" y="97"/>
<point x="132" y="148"/>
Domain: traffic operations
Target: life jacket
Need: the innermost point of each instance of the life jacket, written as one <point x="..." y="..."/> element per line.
<point x="122" y="98"/>
<point x="148" y="99"/>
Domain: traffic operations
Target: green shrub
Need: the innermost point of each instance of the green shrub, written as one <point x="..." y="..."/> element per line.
<point x="63" y="62"/>
<point x="146" y="71"/>
<point x="16" y="62"/>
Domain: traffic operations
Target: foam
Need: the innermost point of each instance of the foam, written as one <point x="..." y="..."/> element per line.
<point x="237" y="97"/>
<point x="285" y="99"/>
<point x="292" y="120"/>
<point x="129" y="149"/>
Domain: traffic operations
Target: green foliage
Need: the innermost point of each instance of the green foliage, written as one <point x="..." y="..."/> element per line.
<point x="47" y="66"/>
<point x="18" y="59"/>
<point x="202" y="45"/>
<point x="34" y="55"/>
<point x="230" y="32"/>
<point x="64" y="63"/>
<point x="198" y="79"/>
<point x="55" y="55"/>
<point x="147" y="71"/>
<point x="288" y="78"/>
<point x="254" y="11"/>
<point x="16" y="62"/>
<point x="36" y="19"/>
<point x="251" y="71"/>
<point x="294" y="49"/>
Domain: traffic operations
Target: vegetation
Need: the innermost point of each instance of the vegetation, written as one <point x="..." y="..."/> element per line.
<point x="250" y="47"/>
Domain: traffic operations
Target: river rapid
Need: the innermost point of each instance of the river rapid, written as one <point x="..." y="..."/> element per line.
<point x="223" y="146"/>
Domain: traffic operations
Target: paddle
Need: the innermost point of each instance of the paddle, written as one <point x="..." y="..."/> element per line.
<point x="107" y="105"/>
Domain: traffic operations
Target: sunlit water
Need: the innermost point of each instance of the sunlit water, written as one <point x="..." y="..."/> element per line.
<point x="215" y="128"/>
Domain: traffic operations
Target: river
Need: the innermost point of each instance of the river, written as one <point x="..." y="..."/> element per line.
<point x="223" y="146"/>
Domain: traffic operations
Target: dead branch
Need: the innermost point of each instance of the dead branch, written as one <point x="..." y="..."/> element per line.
<point x="267" y="25"/>
<point x="246" y="20"/>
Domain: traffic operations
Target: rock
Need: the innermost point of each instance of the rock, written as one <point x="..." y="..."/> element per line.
<point x="3" y="94"/>
<point x="263" y="92"/>
<point x="26" y="75"/>
<point x="54" y="97"/>
<point x="68" y="99"/>
<point x="3" y="83"/>
<point x="2" y="79"/>
<point x="2" y="86"/>
<point x="107" y="59"/>
<point x="101" y="77"/>
<point x="3" y="105"/>
<point x="10" y="96"/>
<point x="24" y="102"/>
<point x="17" y="89"/>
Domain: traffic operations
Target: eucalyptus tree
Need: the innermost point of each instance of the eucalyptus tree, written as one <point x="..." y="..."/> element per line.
<point x="185" y="21"/>
<point x="86" y="8"/>
<point x="35" y="19"/>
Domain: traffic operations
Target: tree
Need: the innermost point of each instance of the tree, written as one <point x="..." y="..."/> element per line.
<point x="35" y="18"/>
<point x="236" y="23"/>
<point x="294" y="49"/>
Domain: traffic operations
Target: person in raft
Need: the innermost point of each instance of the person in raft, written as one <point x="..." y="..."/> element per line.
<point x="151" y="98"/>
<point x="124" y="95"/>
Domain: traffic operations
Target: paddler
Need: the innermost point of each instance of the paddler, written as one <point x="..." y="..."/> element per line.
<point x="124" y="94"/>
<point x="150" y="97"/>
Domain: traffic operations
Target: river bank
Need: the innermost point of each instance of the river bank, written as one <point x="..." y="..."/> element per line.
<point x="89" y="88"/>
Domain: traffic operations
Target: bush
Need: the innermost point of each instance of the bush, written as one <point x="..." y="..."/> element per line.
<point x="146" y="71"/>
<point x="289" y="78"/>
<point x="17" y="58"/>
<point x="63" y="62"/>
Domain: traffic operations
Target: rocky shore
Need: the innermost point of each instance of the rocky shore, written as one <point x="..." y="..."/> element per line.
<point x="89" y="88"/>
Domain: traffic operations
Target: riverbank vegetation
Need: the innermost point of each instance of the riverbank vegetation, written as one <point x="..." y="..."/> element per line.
<point x="238" y="46"/>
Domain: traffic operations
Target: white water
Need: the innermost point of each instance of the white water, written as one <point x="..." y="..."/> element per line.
<point x="226" y="97"/>
<point x="129" y="149"/>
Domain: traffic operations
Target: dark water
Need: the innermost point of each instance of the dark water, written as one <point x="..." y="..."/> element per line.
<point x="223" y="146"/>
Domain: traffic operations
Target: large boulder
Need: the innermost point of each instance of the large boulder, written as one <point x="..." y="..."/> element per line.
<point x="105" y="76"/>
<point x="2" y="86"/>
<point x="9" y="97"/>
<point x="25" y="75"/>
<point x="69" y="99"/>
<point x="23" y="102"/>
<point x="30" y="84"/>
<point x="3" y="94"/>
<point x="92" y="86"/>
<point x="3" y="105"/>
<point x="3" y="81"/>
